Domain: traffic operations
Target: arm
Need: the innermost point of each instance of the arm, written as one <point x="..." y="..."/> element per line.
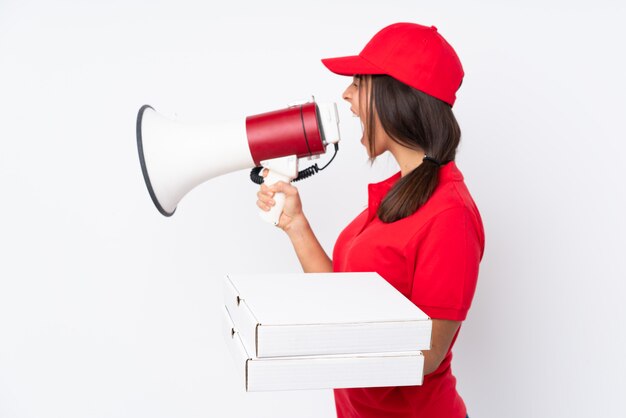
<point x="445" y="256"/>
<point x="442" y="336"/>
<point x="310" y="253"/>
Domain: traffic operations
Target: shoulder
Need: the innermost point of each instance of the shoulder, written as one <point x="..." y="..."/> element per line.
<point x="449" y="213"/>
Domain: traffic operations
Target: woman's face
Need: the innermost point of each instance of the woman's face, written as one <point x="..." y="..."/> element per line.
<point x="357" y="94"/>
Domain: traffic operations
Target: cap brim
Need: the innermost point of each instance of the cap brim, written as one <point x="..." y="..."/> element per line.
<point x="351" y="65"/>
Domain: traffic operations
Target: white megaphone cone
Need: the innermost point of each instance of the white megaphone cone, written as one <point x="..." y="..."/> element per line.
<point x="176" y="157"/>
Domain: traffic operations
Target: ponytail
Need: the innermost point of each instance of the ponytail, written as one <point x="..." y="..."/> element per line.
<point x="409" y="193"/>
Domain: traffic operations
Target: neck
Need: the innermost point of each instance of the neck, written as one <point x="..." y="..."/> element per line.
<point x="408" y="159"/>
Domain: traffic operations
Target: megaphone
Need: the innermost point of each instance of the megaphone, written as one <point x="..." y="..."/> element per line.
<point x="175" y="157"/>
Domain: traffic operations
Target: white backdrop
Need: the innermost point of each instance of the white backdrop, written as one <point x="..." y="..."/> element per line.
<point x="108" y="309"/>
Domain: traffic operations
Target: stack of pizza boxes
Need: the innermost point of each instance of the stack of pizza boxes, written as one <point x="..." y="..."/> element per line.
<point x="323" y="330"/>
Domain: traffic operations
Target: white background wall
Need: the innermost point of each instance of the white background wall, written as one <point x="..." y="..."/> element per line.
<point x="108" y="309"/>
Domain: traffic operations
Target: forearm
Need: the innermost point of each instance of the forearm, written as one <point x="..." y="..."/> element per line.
<point x="310" y="253"/>
<point x="442" y="335"/>
<point x="432" y="361"/>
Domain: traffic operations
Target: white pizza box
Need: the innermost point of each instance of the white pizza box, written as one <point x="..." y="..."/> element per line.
<point x="303" y="314"/>
<point x="321" y="372"/>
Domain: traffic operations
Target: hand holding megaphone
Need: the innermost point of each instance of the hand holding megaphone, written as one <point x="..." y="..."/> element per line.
<point x="176" y="157"/>
<point x="282" y="169"/>
<point x="292" y="205"/>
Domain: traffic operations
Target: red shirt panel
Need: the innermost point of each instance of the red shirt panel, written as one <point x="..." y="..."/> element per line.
<point x="432" y="258"/>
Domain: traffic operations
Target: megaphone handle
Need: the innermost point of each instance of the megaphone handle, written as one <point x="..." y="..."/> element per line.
<point x="273" y="215"/>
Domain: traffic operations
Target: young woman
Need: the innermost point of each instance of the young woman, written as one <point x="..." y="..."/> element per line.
<point x="421" y="230"/>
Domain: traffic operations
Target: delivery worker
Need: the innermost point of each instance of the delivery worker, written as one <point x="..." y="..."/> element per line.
<point x="421" y="230"/>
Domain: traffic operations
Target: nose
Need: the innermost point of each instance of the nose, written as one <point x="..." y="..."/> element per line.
<point x="346" y="94"/>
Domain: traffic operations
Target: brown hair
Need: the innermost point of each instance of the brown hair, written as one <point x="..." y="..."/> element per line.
<point x="415" y="120"/>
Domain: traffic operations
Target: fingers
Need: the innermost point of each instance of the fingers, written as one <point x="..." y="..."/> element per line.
<point x="266" y="194"/>
<point x="263" y="206"/>
<point x="265" y="198"/>
<point x="282" y="187"/>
